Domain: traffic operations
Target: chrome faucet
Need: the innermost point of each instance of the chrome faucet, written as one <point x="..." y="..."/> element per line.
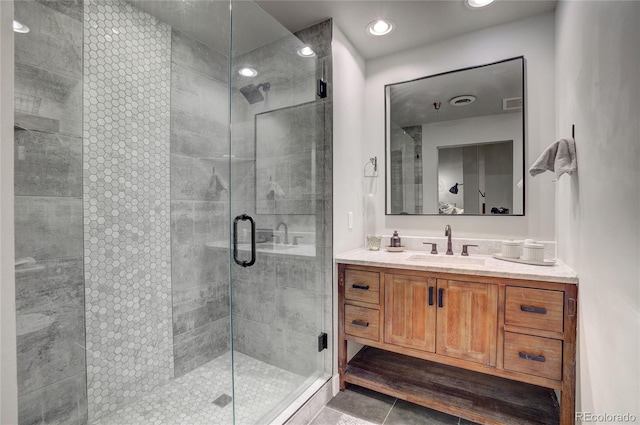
<point x="286" y="231"/>
<point x="447" y="233"/>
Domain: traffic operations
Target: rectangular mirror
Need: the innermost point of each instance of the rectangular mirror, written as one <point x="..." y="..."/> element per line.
<point x="455" y="142"/>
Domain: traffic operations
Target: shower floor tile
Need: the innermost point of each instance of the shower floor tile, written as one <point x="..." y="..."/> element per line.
<point x="190" y="399"/>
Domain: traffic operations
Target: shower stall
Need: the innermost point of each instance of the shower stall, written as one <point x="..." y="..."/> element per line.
<point x="172" y="212"/>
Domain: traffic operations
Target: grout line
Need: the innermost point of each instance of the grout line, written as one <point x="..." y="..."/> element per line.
<point x="389" y="412"/>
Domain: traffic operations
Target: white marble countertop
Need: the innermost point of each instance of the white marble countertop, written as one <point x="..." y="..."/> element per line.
<point x="492" y="267"/>
<point x="270" y="248"/>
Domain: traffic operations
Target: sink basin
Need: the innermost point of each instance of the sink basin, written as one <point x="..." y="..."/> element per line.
<point x="447" y="259"/>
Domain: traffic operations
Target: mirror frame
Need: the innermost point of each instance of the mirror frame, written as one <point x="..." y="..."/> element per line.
<point x="387" y="117"/>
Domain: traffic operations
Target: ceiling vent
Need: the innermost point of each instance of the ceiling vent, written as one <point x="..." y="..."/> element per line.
<point x="511" y="103"/>
<point x="463" y="100"/>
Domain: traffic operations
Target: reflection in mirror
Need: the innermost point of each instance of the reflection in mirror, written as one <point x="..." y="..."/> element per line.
<point x="474" y="176"/>
<point x="455" y="142"/>
<point x="286" y="159"/>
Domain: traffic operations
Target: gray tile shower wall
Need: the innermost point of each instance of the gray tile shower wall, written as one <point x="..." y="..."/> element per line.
<point x="416" y="134"/>
<point x="282" y="303"/>
<point x="199" y="206"/>
<point x="319" y="37"/>
<point x="48" y="214"/>
<point x="127" y="77"/>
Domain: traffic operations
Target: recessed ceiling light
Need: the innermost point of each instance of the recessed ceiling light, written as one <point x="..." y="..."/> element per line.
<point x="21" y="28"/>
<point x="306" y="52"/>
<point x="475" y="4"/>
<point x="463" y="100"/>
<point x="380" y="27"/>
<point x="248" y="72"/>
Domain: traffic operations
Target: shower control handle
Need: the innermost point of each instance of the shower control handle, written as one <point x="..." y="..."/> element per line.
<point x="244" y="263"/>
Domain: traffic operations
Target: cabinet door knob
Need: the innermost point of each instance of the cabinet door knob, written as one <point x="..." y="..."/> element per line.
<point x="430" y="295"/>
<point x="441" y="297"/>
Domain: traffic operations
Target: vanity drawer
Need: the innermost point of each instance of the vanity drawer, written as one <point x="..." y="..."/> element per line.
<point x="362" y="286"/>
<point x="534" y="308"/>
<point x="362" y="322"/>
<point x="533" y="355"/>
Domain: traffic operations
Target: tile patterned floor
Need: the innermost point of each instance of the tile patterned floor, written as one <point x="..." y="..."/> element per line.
<point x="189" y="400"/>
<point x="359" y="406"/>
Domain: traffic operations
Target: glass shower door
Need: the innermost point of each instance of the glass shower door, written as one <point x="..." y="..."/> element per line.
<point x="277" y="179"/>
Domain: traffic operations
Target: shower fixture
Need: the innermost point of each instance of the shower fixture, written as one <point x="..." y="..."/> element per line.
<point x="252" y="92"/>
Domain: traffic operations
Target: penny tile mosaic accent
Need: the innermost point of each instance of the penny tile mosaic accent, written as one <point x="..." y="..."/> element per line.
<point x="126" y="204"/>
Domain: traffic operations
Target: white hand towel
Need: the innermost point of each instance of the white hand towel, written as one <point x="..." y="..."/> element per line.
<point x="559" y="157"/>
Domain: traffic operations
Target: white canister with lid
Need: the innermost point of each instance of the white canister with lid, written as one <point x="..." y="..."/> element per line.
<point x="533" y="251"/>
<point x="511" y="249"/>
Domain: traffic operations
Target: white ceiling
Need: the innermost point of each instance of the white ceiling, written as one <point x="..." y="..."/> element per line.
<point x="412" y="102"/>
<point x="208" y="21"/>
<point x="419" y="22"/>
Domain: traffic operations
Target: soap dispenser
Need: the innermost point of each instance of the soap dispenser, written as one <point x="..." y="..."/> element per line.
<point x="395" y="240"/>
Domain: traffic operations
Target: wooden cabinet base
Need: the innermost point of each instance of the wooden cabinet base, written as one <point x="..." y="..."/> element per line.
<point x="491" y="350"/>
<point x="471" y="395"/>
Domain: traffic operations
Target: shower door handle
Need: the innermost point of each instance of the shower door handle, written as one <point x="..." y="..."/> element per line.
<point x="244" y="217"/>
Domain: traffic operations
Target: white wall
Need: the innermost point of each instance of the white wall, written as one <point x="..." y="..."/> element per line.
<point x="598" y="210"/>
<point x="8" y="370"/>
<point x="533" y="38"/>
<point x="348" y="111"/>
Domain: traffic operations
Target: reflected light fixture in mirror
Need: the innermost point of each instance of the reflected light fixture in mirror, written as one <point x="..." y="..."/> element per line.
<point x="20" y="28"/>
<point x="306" y="52"/>
<point x="380" y="27"/>
<point x="475" y="4"/>
<point x="248" y="72"/>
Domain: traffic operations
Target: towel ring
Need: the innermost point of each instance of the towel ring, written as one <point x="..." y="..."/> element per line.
<point x="373" y="161"/>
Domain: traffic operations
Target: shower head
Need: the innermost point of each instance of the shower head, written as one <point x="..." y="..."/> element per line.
<point x="252" y="92"/>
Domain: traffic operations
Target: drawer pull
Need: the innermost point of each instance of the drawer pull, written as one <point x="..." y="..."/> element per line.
<point x="529" y="309"/>
<point x="441" y="297"/>
<point x="356" y="286"/>
<point x="430" y="295"/>
<point x="531" y="357"/>
<point x="360" y="323"/>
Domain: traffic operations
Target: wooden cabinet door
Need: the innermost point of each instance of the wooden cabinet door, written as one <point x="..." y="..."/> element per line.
<point x="410" y="317"/>
<point x="467" y="321"/>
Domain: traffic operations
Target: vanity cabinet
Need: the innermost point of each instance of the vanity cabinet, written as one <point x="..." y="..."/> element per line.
<point x="410" y="313"/>
<point x="451" y="318"/>
<point x="467" y="321"/>
<point x="492" y="350"/>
